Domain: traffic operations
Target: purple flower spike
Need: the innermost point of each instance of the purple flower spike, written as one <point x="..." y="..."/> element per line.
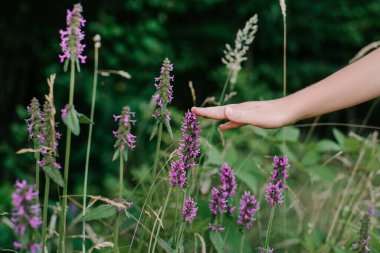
<point x="227" y="177"/>
<point x="248" y="207"/>
<point x="26" y="215"/>
<point x="189" y="210"/>
<point x="277" y="185"/>
<point x="189" y="145"/>
<point x="72" y="36"/>
<point x="35" y="123"/>
<point x="164" y="94"/>
<point x="177" y="174"/>
<point x="124" y="138"/>
<point x="218" y="203"/>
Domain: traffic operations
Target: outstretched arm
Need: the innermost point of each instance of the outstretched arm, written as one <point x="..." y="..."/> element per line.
<point x="354" y="84"/>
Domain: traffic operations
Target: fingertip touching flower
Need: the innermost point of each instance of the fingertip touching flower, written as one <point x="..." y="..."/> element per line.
<point x="72" y="36"/>
<point x="34" y="123"/>
<point x="189" y="210"/>
<point x="227" y="177"/>
<point x="164" y="93"/>
<point x="177" y="174"/>
<point x="362" y="244"/>
<point x="248" y="207"/>
<point x="277" y="185"/>
<point x="26" y="215"/>
<point x="124" y="138"/>
<point x="215" y="227"/>
<point x="189" y="146"/>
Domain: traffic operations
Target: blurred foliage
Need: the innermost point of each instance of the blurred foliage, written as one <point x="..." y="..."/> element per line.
<point x="136" y="37"/>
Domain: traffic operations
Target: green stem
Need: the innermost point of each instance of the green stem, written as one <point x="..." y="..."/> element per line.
<point x="116" y="233"/>
<point x="37" y="156"/>
<point x="269" y="228"/>
<point x="242" y="243"/>
<point x="89" y="147"/>
<point x="156" y="158"/>
<point x="62" y="223"/>
<point x="162" y="217"/>
<point x="181" y="229"/>
<point x="45" y="211"/>
<point x="175" y="220"/>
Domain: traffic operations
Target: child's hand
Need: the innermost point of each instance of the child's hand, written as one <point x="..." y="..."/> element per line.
<point x="265" y="114"/>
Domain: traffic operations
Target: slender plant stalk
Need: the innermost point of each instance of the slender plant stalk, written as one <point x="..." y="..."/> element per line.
<point x="162" y="217"/>
<point x="181" y="229"/>
<point x="62" y="223"/>
<point x="175" y="220"/>
<point x="242" y="243"/>
<point x="37" y="156"/>
<point x="154" y="227"/>
<point x="116" y="233"/>
<point x="284" y="75"/>
<point x="45" y="211"/>
<point x="95" y="82"/>
<point x="269" y="228"/>
<point x="158" y="145"/>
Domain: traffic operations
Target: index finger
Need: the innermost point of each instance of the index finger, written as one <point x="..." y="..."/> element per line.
<point x="214" y="112"/>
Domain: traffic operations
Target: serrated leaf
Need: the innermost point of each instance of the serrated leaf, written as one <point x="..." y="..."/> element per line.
<point x="217" y="241"/>
<point x="168" y="127"/>
<point x="83" y="119"/>
<point x="99" y="212"/>
<point x="116" y="155"/>
<point x="72" y="121"/>
<point x="154" y="132"/>
<point x="54" y="174"/>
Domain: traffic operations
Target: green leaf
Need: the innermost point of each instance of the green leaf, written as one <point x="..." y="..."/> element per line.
<point x="154" y="131"/>
<point x="164" y="245"/>
<point x="125" y="155"/>
<point x="116" y="155"/>
<point x="249" y="179"/>
<point x="54" y="174"/>
<point x="327" y="145"/>
<point x="66" y="65"/>
<point x="99" y="212"/>
<point x="217" y="241"/>
<point x="337" y="250"/>
<point x="83" y="119"/>
<point x="321" y="173"/>
<point x="77" y="63"/>
<point x="291" y="134"/>
<point x="339" y="136"/>
<point x="352" y="145"/>
<point x="168" y="127"/>
<point x="71" y="120"/>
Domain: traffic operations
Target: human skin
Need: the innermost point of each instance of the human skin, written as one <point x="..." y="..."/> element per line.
<point x="352" y="85"/>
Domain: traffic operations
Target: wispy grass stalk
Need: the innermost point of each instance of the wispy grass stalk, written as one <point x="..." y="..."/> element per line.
<point x="242" y="243"/>
<point x="117" y="223"/>
<point x="269" y="228"/>
<point x="45" y="210"/>
<point x="95" y="81"/>
<point x="37" y="156"/>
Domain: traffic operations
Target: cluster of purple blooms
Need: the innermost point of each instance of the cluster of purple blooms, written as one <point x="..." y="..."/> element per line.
<point x="219" y="204"/>
<point x="26" y="215"/>
<point x="41" y="127"/>
<point x="277" y="185"/>
<point x="164" y="94"/>
<point x="72" y="36"/>
<point x="123" y="135"/>
<point x="189" y="210"/>
<point x="189" y="150"/>
<point x="362" y="245"/>
<point x="248" y="207"/>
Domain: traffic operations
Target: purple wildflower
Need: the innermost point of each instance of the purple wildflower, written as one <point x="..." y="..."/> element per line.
<point x="262" y="250"/>
<point x="189" y="146"/>
<point x="277" y="185"/>
<point x="123" y="135"/>
<point x="72" y="36"/>
<point x="218" y="203"/>
<point x="248" y="207"/>
<point x="164" y="94"/>
<point x="126" y="204"/>
<point x="362" y="245"/>
<point x="36" y="248"/>
<point x="34" y="123"/>
<point x="64" y="113"/>
<point x="215" y="227"/>
<point x="177" y="174"/>
<point x="227" y="177"/>
<point x="26" y="215"/>
<point x="189" y="210"/>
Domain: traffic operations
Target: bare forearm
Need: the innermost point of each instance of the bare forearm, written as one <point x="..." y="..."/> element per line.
<point x="354" y="84"/>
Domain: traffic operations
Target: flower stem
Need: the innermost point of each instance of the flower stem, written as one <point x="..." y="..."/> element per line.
<point x="45" y="212"/>
<point x="89" y="147"/>
<point x="269" y="227"/>
<point x="242" y="243"/>
<point x="37" y="156"/>
<point x="116" y="233"/>
<point x="162" y="217"/>
<point x="62" y="223"/>
<point x="156" y="158"/>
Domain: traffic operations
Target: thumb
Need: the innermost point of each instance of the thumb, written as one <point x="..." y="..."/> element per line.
<point x="234" y="114"/>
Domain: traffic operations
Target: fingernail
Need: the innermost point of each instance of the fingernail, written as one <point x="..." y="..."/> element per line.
<point x="229" y="111"/>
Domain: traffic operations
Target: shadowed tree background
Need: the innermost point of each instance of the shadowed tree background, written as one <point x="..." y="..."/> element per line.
<point x="137" y="35"/>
